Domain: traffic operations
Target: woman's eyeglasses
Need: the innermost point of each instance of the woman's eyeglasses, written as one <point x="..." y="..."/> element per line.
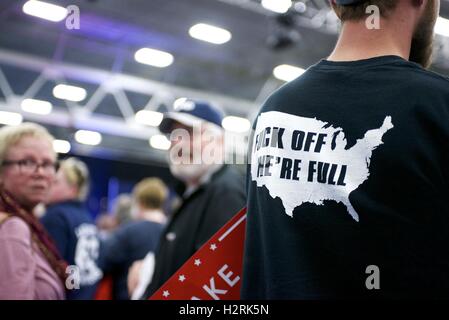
<point x="28" y="166"/>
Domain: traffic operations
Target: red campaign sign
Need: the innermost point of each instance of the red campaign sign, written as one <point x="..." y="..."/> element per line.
<point x="214" y="272"/>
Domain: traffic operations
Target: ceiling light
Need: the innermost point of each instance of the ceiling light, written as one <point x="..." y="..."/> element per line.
<point x="287" y="72"/>
<point x="153" y="57"/>
<point x="10" y="118"/>
<point x="208" y="33"/>
<point x="149" y="118"/>
<point x="44" y="10"/>
<point x="36" y="106"/>
<point x="61" y="146"/>
<point x="91" y="138"/>
<point x="278" y="6"/>
<point x="71" y="93"/>
<point x="236" y="124"/>
<point x="160" y="142"/>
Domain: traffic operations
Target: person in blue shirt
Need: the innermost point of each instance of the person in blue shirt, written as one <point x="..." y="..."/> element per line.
<point x="133" y="241"/>
<point x="70" y="225"/>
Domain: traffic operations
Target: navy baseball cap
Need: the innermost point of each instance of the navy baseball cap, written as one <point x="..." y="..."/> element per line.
<point x="189" y="113"/>
<point x="348" y="2"/>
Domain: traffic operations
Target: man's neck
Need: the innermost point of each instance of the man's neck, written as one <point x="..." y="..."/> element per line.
<point x="155" y="215"/>
<point x="191" y="186"/>
<point x="357" y="42"/>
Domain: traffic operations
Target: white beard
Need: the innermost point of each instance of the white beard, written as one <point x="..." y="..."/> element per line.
<point x="193" y="172"/>
<point x="188" y="172"/>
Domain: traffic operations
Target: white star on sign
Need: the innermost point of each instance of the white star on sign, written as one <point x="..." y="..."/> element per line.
<point x="197" y="262"/>
<point x="182" y="278"/>
<point x="166" y="293"/>
<point x="213" y="246"/>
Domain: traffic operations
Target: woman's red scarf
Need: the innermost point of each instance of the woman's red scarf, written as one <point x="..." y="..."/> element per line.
<point x="38" y="233"/>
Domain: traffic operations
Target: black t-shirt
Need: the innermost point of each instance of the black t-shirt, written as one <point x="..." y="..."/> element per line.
<point x="348" y="192"/>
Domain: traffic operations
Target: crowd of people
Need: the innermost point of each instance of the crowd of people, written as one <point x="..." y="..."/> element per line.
<point x="65" y="254"/>
<point x="348" y="173"/>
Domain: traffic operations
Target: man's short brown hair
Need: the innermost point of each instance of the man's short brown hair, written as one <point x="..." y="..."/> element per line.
<point x="150" y="193"/>
<point x="358" y="11"/>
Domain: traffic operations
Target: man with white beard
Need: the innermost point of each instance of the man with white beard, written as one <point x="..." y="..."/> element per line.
<point x="213" y="191"/>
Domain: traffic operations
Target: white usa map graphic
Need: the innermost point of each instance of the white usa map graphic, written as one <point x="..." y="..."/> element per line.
<point x="305" y="160"/>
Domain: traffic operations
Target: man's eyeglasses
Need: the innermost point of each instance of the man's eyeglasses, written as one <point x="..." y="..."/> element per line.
<point x="27" y="166"/>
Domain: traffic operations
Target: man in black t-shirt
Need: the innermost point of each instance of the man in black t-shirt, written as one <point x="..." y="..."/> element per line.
<point x="348" y="180"/>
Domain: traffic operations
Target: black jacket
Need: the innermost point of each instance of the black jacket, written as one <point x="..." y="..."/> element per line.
<point x="200" y="216"/>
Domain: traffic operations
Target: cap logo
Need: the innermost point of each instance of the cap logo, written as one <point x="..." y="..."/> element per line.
<point x="186" y="106"/>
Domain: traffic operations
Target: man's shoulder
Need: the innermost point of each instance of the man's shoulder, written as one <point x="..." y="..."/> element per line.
<point x="432" y="91"/>
<point x="56" y="214"/>
<point x="153" y="225"/>
<point x="73" y="212"/>
<point x="430" y="79"/>
<point x="129" y="227"/>
<point x="228" y="178"/>
<point x="413" y="80"/>
<point x="134" y="227"/>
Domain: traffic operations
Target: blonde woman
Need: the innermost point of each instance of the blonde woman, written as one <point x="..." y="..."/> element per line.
<point x="31" y="267"/>
<point x="69" y="223"/>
